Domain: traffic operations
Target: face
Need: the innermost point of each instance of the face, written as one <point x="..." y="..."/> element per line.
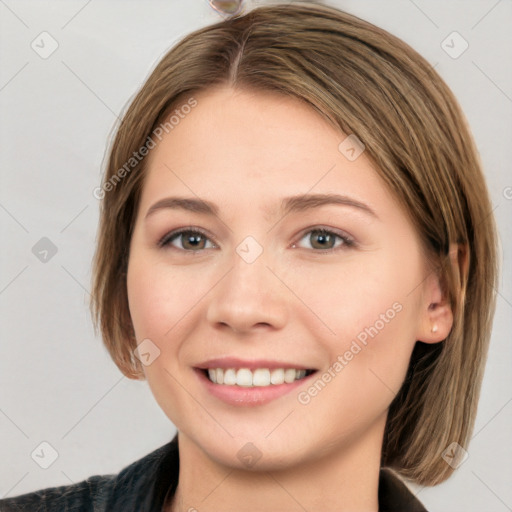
<point x="262" y="255"/>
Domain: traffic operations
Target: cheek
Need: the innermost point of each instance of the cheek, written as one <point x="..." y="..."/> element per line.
<point x="158" y="298"/>
<point x="159" y="313"/>
<point x="363" y="290"/>
<point x="369" y="307"/>
<point x="164" y="304"/>
<point x="368" y="364"/>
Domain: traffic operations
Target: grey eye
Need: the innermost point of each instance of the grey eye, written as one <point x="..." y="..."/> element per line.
<point x="323" y="239"/>
<point x="191" y="240"/>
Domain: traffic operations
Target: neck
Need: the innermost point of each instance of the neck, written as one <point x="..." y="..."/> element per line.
<point x="345" y="480"/>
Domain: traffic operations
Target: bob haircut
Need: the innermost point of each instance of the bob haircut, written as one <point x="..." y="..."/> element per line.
<point x="363" y="81"/>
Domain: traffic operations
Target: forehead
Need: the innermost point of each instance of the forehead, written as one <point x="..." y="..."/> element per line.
<point x="248" y="148"/>
<point x="227" y="122"/>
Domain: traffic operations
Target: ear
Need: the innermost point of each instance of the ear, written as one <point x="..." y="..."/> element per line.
<point x="437" y="313"/>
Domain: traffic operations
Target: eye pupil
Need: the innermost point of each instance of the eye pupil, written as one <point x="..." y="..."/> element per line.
<point x="194" y="240"/>
<point x="324" y="239"/>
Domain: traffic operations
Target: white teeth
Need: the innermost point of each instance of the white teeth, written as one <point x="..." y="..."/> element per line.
<point x="277" y="376"/>
<point x="289" y="375"/>
<point x="243" y="377"/>
<point x="230" y="377"/>
<point x="256" y="378"/>
<point x="261" y="377"/>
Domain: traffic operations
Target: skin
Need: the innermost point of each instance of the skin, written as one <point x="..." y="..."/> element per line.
<point x="297" y="302"/>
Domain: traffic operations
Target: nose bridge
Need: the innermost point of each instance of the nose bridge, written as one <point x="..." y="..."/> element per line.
<point x="249" y="293"/>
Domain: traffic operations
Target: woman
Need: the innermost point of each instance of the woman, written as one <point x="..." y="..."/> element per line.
<point x="293" y="218"/>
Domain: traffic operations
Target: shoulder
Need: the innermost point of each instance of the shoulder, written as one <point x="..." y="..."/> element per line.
<point x="90" y="494"/>
<point x="394" y="496"/>
<point x="133" y="486"/>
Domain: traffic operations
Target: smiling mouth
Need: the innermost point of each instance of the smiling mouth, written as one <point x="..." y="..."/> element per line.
<point x="260" y="377"/>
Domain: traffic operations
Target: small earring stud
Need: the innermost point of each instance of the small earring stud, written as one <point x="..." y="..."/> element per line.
<point x="434" y="328"/>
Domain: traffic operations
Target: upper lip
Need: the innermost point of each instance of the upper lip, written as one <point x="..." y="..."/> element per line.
<point x="233" y="362"/>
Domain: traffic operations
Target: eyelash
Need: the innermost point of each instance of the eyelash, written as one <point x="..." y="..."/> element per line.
<point x="348" y="241"/>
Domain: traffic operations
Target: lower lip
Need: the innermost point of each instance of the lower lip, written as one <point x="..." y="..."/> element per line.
<point x="245" y="396"/>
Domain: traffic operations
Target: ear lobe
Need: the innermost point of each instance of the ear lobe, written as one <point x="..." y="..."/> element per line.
<point x="438" y="311"/>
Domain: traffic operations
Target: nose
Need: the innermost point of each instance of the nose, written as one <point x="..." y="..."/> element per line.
<point x="249" y="297"/>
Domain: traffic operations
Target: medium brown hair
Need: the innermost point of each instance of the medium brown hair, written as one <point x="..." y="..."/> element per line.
<point x="364" y="81"/>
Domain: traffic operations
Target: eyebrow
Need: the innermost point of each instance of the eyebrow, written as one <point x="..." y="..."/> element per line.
<point x="288" y="204"/>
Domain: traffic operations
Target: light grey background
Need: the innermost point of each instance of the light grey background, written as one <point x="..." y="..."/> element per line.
<point x="57" y="382"/>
